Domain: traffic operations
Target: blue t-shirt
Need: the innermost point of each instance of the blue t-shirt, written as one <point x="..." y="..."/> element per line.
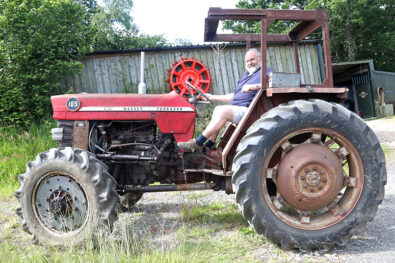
<point x="244" y="99"/>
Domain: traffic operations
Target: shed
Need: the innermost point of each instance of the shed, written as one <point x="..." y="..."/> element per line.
<point x="118" y="71"/>
<point x="365" y="86"/>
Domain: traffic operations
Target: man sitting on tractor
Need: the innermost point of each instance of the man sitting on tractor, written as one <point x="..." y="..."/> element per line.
<point x="241" y="98"/>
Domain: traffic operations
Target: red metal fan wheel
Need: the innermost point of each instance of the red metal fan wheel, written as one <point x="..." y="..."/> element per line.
<point x="190" y="70"/>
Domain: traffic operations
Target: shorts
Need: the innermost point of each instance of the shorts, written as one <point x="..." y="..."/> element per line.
<point x="238" y="113"/>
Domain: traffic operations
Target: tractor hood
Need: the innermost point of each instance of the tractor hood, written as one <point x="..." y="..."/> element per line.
<point x="124" y="106"/>
<point x="172" y="112"/>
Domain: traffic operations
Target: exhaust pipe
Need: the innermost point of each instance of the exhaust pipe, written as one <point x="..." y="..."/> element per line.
<point x="142" y="89"/>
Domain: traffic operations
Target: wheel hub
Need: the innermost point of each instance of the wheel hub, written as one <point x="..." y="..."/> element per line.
<point x="312" y="178"/>
<point x="60" y="203"/>
<point x="309" y="177"/>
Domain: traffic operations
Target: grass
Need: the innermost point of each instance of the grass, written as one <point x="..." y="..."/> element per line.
<point x="389" y="152"/>
<point x="378" y="118"/>
<point x="196" y="195"/>
<point x="17" y="146"/>
<point x="225" y="214"/>
<point x="234" y="247"/>
<point x="194" y="240"/>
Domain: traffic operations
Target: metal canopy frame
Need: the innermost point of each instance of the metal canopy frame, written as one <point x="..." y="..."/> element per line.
<point x="310" y="21"/>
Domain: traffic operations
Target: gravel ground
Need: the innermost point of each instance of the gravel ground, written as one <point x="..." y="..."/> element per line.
<point x="376" y="243"/>
<point x="156" y="218"/>
<point x="385" y="130"/>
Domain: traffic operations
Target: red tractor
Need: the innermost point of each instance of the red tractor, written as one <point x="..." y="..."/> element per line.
<point x="307" y="172"/>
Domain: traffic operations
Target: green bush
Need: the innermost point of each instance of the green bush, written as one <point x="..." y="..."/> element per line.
<point x="40" y="43"/>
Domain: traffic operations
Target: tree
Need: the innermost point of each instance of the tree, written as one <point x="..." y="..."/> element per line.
<point x="40" y="44"/>
<point x="182" y="42"/>
<point x="91" y="9"/>
<point x="359" y="29"/>
<point x="278" y="27"/>
<point x="116" y="29"/>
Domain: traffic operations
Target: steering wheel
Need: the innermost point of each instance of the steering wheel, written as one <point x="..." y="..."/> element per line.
<point x="198" y="91"/>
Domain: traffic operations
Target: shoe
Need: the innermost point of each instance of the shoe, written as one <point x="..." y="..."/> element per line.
<point x="190" y="146"/>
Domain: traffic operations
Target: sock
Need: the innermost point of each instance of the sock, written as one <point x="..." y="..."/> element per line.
<point x="210" y="144"/>
<point x="201" y="140"/>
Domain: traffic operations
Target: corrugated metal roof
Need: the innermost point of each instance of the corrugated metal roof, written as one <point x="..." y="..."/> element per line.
<point x="338" y="68"/>
<point x="353" y="62"/>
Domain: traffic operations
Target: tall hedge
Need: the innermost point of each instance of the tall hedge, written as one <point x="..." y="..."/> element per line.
<point x="40" y="43"/>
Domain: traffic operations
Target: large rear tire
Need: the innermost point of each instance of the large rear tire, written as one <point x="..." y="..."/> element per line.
<point x="308" y="174"/>
<point x="66" y="197"/>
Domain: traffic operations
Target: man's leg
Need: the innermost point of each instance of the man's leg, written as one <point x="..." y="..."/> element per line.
<point x="238" y="113"/>
<point x="211" y="141"/>
<point x="214" y="127"/>
<point x="221" y="115"/>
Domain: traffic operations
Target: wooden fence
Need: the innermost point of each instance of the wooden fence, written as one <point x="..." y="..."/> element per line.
<point x="119" y="72"/>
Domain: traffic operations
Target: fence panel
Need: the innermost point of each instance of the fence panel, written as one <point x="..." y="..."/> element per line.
<point x="119" y="72"/>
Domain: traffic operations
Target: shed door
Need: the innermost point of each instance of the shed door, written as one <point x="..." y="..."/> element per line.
<point x="363" y="90"/>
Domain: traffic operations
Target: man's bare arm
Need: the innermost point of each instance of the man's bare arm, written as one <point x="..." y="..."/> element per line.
<point x="223" y="98"/>
<point x="250" y="87"/>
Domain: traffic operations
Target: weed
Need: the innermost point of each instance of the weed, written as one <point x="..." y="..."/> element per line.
<point x="197" y="232"/>
<point x="248" y="231"/>
<point x="17" y="146"/>
<point x="204" y="117"/>
<point x="196" y="244"/>
<point x="226" y="214"/>
<point x="197" y="196"/>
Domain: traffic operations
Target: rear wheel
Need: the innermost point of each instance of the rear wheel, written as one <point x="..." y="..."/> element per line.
<point x="66" y="196"/>
<point x="308" y="174"/>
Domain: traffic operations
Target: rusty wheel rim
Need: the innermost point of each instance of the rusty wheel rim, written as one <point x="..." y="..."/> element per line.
<point x="287" y="169"/>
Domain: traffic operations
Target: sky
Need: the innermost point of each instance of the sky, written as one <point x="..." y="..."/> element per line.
<point x="175" y="18"/>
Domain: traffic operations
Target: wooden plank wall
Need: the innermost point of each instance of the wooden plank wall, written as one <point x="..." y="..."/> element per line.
<point x="120" y="72"/>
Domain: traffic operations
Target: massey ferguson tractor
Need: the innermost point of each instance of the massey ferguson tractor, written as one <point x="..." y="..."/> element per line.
<point x="306" y="172"/>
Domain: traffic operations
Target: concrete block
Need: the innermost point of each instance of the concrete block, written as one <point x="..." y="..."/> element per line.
<point x="388" y="110"/>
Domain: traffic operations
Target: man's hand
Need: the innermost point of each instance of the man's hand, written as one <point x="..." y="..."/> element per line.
<point x="250" y="87"/>
<point x="209" y="96"/>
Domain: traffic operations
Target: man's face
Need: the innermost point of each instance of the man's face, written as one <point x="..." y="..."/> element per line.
<point x="252" y="61"/>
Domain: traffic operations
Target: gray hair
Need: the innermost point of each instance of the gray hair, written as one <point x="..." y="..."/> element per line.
<point x="255" y="50"/>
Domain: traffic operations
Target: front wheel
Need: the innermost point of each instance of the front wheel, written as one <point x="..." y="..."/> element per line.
<point x="308" y="174"/>
<point x="66" y="196"/>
